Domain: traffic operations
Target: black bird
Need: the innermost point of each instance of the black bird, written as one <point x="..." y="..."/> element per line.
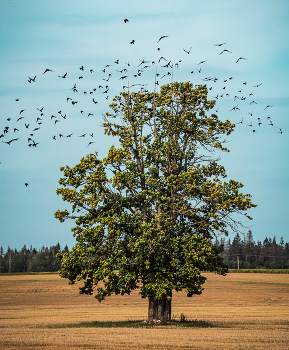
<point x="132" y="42"/>
<point x="126" y="20"/>
<point x="91" y="70"/>
<point x="89" y="114"/>
<point x="22" y="110"/>
<point x="68" y="98"/>
<point x="251" y="114"/>
<point x="47" y="70"/>
<point x="225" y="51"/>
<point x="257" y="85"/>
<point x="202" y="62"/>
<point x="188" y="52"/>
<point x="69" y="135"/>
<point x="82" y="135"/>
<point x="162" y="58"/>
<point x="220" y="44"/>
<point x="9" y="142"/>
<point x="279" y="132"/>
<point x="63" y="76"/>
<point x="55" y="122"/>
<point x="40" y="110"/>
<point x="19" y="119"/>
<point x="15" y="129"/>
<point x="268" y="107"/>
<point x="26" y="184"/>
<point x="31" y="79"/>
<point x="162" y="37"/>
<point x="253" y="102"/>
<point x="53" y="116"/>
<point x="116" y="61"/>
<point x="27" y="126"/>
<point x="54" y="137"/>
<point x="17" y="99"/>
<point x="81" y="68"/>
<point x="90" y="143"/>
<point x="94" y="101"/>
<point x="60" y="135"/>
<point x="240" y="58"/>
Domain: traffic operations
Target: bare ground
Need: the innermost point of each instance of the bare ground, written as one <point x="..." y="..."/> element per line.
<point x="251" y="311"/>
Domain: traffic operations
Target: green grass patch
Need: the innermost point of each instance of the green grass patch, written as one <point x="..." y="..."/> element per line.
<point x="135" y="324"/>
<point x="27" y="273"/>
<point x="280" y="271"/>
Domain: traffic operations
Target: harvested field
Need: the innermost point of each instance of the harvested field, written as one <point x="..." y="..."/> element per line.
<point x="248" y="311"/>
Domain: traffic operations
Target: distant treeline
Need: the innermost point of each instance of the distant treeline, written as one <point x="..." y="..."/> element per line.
<point x="242" y="252"/>
<point x="30" y="260"/>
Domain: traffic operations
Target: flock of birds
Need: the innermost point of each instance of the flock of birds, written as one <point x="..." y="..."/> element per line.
<point x="131" y="75"/>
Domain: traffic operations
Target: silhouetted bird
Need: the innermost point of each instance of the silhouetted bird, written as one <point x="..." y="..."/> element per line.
<point x="188" y="52"/>
<point x="162" y="37"/>
<point x="47" y="70"/>
<point x="220" y="44"/>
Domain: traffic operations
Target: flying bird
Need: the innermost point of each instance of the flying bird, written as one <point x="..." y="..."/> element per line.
<point x="202" y="62"/>
<point x="268" y="107"/>
<point x="240" y="58"/>
<point x="47" y="70"/>
<point x="162" y="37"/>
<point x="126" y="20"/>
<point x="220" y="44"/>
<point x="188" y="52"/>
<point x="63" y="76"/>
<point x="31" y="79"/>
<point x="26" y="184"/>
<point x="225" y="51"/>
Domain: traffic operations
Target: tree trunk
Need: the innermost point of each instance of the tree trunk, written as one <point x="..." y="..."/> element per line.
<point x="159" y="310"/>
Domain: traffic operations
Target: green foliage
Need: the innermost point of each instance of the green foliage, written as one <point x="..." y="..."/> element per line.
<point x="152" y="206"/>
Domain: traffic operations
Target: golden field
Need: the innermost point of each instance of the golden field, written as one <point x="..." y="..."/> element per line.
<point x="247" y="310"/>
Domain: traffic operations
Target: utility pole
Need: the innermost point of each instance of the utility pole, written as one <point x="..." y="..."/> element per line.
<point x="10" y="262"/>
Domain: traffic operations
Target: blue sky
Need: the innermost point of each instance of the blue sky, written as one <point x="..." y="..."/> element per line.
<point x="64" y="35"/>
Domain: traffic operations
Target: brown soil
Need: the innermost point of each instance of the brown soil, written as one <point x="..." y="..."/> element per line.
<point x="251" y="311"/>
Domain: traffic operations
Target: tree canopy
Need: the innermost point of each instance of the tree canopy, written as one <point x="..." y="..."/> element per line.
<point x="146" y="213"/>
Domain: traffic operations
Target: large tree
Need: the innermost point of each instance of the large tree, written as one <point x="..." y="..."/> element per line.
<point x="145" y="215"/>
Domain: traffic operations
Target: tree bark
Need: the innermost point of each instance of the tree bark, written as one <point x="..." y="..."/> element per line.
<point x="159" y="310"/>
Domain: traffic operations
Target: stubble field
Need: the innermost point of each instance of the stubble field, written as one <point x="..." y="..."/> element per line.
<point x="242" y="311"/>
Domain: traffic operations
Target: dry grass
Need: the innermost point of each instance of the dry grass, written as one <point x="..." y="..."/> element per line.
<point x="251" y="311"/>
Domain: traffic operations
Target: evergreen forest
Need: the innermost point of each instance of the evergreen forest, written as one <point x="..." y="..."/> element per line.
<point x="240" y="252"/>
